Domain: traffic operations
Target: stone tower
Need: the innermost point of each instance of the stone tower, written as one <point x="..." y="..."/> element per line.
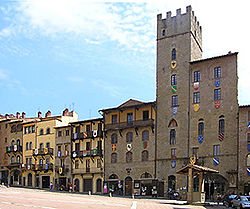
<point x="197" y="104"/>
<point x="179" y="41"/>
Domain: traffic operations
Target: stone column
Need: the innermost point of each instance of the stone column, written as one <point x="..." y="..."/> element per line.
<point x="201" y="187"/>
<point x="190" y="186"/>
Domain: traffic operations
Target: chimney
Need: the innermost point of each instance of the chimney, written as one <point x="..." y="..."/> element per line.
<point x="39" y="115"/>
<point x="66" y="112"/>
<point x="48" y="114"/>
<point x="6" y="116"/>
<point x="23" y="114"/>
<point x="17" y="115"/>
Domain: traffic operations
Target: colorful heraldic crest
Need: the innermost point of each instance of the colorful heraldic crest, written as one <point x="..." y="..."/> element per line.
<point x="129" y="147"/>
<point x="144" y="144"/>
<point x="94" y="151"/>
<point x="217" y="83"/>
<point x="59" y="154"/>
<point x="15" y="148"/>
<point x="175" y="110"/>
<point x="248" y="147"/>
<point x="221" y="136"/>
<point x="84" y="153"/>
<point x="75" y="135"/>
<point x="174" y="89"/>
<point x="45" y="150"/>
<point x="74" y="154"/>
<point x="200" y="139"/>
<point x="196" y="107"/>
<point x="85" y="135"/>
<point x="217" y="104"/>
<point x="46" y="166"/>
<point x="248" y="125"/>
<point x="113" y="147"/>
<point x="173" y="64"/>
<point x="248" y="171"/>
<point x="173" y="163"/>
<point x="216" y="161"/>
<point x="95" y="133"/>
<point x="196" y="86"/>
<point x="60" y="170"/>
<point x="8" y="148"/>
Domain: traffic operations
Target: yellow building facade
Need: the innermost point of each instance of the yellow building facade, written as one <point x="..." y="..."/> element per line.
<point x="87" y="155"/>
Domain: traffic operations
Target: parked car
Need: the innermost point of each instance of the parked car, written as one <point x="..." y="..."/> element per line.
<point x="227" y="200"/>
<point x="241" y="201"/>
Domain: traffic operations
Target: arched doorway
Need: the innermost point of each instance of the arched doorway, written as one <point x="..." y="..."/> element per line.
<point x="99" y="185"/>
<point x="30" y="180"/>
<point x="113" y="184"/>
<point x="76" y="185"/>
<point x="171" y="183"/>
<point x="128" y="186"/>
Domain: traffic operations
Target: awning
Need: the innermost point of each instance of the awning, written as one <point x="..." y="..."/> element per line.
<point x="196" y="169"/>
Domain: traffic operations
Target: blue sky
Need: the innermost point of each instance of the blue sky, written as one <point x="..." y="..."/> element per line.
<point x="93" y="55"/>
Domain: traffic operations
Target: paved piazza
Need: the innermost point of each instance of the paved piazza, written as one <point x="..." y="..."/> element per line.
<point x="33" y="198"/>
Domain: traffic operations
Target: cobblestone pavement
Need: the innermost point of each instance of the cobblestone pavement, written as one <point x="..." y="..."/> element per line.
<point x="21" y="198"/>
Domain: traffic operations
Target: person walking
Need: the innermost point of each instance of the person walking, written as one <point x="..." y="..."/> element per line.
<point x="51" y="185"/>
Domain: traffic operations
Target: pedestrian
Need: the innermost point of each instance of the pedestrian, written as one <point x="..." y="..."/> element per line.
<point x="51" y="185"/>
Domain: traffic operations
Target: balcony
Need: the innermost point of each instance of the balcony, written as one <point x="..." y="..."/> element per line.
<point x="14" y="165"/>
<point x="14" y="148"/>
<point x="87" y="135"/>
<point x="87" y="153"/>
<point x="43" y="151"/>
<point x="87" y="170"/>
<point x="28" y="166"/>
<point x="131" y="124"/>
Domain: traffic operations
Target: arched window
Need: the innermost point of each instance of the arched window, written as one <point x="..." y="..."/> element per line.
<point x="172" y="137"/>
<point x="248" y="160"/>
<point x="98" y="185"/>
<point x="30" y="145"/>
<point x="18" y="142"/>
<point x="114" y="139"/>
<point x="114" y="158"/>
<point x="174" y="54"/>
<point x="41" y="131"/>
<point x="145" y="135"/>
<point x="18" y="159"/>
<point x="27" y="146"/>
<point x="200" y="129"/>
<point x="12" y="142"/>
<point x="41" y="146"/>
<point x="47" y="145"/>
<point x="48" y="131"/>
<point x="129" y="137"/>
<point x="144" y="155"/>
<point x="129" y="157"/>
<point x="163" y="32"/>
<point x="13" y="129"/>
<point x="171" y="183"/>
<point x="12" y="159"/>
<point x="221" y="126"/>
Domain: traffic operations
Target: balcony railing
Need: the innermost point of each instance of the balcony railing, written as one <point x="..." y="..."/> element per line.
<point x="87" y="135"/>
<point x="43" y="151"/>
<point x="131" y="124"/>
<point x="14" y="148"/>
<point x="87" y="153"/>
<point x="87" y="170"/>
<point x="14" y="164"/>
<point x="38" y="167"/>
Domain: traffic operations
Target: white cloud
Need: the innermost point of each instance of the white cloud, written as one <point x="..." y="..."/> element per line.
<point x="3" y="75"/>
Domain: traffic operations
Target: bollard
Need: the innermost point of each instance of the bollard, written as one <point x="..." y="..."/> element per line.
<point x="89" y="192"/>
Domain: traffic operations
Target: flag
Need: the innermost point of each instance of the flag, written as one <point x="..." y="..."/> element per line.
<point x="216" y="161"/>
<point x="196" y="86"/>
<point x="85" y="135"/>
<point x="113" y="147"/>
<point x="248" y="171"/>
<point x="221" y="136"/>
<point x="174" y="89"/>
<point x="144" y="144"/>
